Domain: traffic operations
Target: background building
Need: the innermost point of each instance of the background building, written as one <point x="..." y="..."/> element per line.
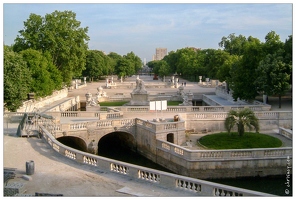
<point x="160" y="53"/>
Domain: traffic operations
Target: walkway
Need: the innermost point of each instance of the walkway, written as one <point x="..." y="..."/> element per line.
<point x="55" y="174"/>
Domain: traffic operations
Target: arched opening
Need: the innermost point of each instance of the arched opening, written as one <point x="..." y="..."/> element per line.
<point x="122" y="146"/>
<point x="73" y="142"/>
<point x="115" y="144"/>
<point x="170" y="137"/>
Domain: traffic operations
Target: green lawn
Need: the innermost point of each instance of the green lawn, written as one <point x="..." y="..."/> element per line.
<point x="114" y="103"/>
<point x="174" y="103"/>
<point x="234" y="141"/>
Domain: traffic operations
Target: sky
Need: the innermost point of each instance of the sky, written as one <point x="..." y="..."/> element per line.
<point x="143" y="27"/>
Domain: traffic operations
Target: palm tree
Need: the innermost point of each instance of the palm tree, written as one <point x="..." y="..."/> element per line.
<point x="241" y="118"/>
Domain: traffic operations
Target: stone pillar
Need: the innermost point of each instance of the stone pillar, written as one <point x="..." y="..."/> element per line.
<point x="163" y="78"/>
<point x="121" y="79"/>
<point x="112" y="80"/>
<point x="76" y="84"/>
<point x="207" y="80"/>
<point x="107" y="85"/>
<point x="84" y="80"/>
<point x="264" y="98"/>
<point x="200" y="81"/>
<point x="176" y="83"/>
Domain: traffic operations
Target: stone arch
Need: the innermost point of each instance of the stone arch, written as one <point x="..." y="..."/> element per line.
<point x="117" y="139"/>
<point x="170" y="137"/>
<point x="74" y="142"/>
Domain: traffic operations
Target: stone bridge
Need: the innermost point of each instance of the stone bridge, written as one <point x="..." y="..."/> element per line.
<point x="135" y="133"/>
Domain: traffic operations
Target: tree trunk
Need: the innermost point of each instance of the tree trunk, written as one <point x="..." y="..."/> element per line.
<point x="241" y="128"/>
<point x="280" y="101"/>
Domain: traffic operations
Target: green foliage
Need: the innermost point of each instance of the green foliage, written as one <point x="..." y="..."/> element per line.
<point x="17" y="79"/>
<point x="242" y="118"/>
<point x="243" y="72"/>
<point x="41" y="69"/>
<point x="160" y="67"/>
<point x="135" y="60"/>
<point x="60" y="34"/>
<point x="96" y="65"/>
<point x="234" y="141"/>
<point x="233" y="44"/>
<point x="275" y="76"/>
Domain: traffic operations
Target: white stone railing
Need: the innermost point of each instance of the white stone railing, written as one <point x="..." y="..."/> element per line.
<point x="288" y="133"/>
<point x="28" y="106"/>
<point x="231" y="154"/>
<point x="285" y="115"/>
<point x="143" y="174"/>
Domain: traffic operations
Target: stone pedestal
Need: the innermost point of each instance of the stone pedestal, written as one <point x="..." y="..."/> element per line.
<point x="139" y="99"/>
<point x="92" y="108"/>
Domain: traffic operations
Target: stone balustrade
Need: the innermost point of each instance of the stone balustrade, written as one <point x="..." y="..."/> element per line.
<point x="204" y="155"/>
<point x="28" y="106"/>
<point x="138" y="173"/>
<point x="286" y="132"/>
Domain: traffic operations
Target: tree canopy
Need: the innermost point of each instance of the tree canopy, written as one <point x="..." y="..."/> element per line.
<point x="60" y="34"/>
<point x="17" y="79"/>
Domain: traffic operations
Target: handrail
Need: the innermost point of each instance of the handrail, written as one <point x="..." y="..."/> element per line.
<point x="168" y="180"/>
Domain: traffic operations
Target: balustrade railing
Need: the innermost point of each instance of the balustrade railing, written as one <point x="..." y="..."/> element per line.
<point x="164" y="179"/>
<point x="229" y="154"/>
<point x="286" y="132"/>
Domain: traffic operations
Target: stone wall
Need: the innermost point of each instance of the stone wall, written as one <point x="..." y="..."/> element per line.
<point x="214" y="121"/>
<point x="206" y="164"/>
<point x="28" y="106"/>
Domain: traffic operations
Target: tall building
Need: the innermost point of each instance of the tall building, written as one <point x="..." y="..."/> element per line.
<point x="160" y="53"/>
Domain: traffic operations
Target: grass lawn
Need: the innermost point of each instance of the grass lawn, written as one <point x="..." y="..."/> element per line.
<point x="234" y="141"/>
<point x="174" y="103"/>
<point x="113" y="103"/>
<point x="120" y="103"/>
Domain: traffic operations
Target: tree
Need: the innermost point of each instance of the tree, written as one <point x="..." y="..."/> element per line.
<point x="223" y="73"/>
<point x="125" y="67"/>
<point x="243" y="71"/>
<point x="274" y="76"/>
<point x="241" y="118"/>
<point x="189" y="62"/>
<point x="135" y="60"/>
<point x="60" y="34"/>
<point x="114" y="59"/>
<point x="213" y="60"/>
<point x="17" y="79"/>
<point x="43" y="83"/>
<point x="233" y="44"/>
<point x="161" y="68"/>
<point x="95" y="64"/>
<point x="172" y="60"/>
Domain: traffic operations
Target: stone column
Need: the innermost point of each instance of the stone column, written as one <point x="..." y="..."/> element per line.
<point x="200" y="81"/>
<point x="84" y="80"/>
<point x="76" y="84"/>
<point x="176" y="83"/>
<point x="112" y="80"/>
<point x="107" y="85"/>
